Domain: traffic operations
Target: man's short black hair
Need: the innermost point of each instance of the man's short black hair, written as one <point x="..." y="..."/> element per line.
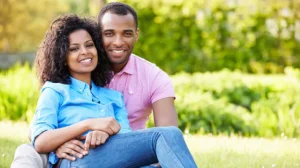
<point x="119" y="9"/>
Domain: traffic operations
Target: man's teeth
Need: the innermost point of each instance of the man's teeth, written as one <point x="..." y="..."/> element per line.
<point x="118" y="51"/>
<point x="86" y="60"/>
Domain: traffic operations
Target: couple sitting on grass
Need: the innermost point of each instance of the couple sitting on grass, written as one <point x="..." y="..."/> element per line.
<point x="83" y="124"/>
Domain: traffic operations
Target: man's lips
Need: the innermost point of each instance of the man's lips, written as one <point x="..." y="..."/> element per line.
<point x="117" y="52"/>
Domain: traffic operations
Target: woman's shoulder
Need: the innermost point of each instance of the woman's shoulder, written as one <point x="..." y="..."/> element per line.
<point x="109" y="95"/>
<point x="58" y="87"/>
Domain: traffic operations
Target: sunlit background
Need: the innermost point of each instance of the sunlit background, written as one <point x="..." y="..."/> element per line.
<point x="193" y="36"/>
<point x="234" y="64"/>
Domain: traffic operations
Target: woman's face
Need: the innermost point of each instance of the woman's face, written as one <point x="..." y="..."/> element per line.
<point x="82" y="56"/>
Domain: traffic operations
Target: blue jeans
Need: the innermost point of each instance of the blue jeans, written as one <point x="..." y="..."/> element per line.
<point x="139" y="148"/>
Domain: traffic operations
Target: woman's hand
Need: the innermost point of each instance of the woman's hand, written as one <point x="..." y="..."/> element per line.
<point x="108" y="125"/>
<point x="71" y="149"/>
<point x="94" y="138"/>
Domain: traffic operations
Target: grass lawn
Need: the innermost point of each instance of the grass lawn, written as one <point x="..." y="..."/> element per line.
<point x="208" y="151"/>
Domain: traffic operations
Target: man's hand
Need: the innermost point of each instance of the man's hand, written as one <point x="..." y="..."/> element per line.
<point x="94" y="138"/>
<point x="71" y="149"/>
<point x="108" y="125"/>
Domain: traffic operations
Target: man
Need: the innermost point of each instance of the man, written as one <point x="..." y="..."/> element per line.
<point x="145" y="87"/>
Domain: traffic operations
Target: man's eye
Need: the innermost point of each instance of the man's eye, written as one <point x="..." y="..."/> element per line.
<point x="128" y="34"/>
<point x="108" y="34"/>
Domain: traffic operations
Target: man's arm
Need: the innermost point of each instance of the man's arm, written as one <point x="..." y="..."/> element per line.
<point x="164" y="112"/>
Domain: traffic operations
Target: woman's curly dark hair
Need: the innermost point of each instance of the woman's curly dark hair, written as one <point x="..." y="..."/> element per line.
<point x="51" y="56"/>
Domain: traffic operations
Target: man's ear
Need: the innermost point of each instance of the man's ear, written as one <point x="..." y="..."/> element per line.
<point x="137" y="34"/>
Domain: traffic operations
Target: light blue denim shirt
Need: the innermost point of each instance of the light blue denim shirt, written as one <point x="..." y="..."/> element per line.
<point x="62" y="105"/>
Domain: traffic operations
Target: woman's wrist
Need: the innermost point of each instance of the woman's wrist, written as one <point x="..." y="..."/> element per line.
<point x="85" y="125"/>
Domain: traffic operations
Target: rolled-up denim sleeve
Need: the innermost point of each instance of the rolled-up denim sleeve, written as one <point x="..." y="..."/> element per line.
<point x="45" y="117"/>
<point x="121" y="115"/>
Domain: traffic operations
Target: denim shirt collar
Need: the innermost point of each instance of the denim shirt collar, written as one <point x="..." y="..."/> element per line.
<point x="80" y="86"/>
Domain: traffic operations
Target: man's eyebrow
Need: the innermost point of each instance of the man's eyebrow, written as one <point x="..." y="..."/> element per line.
<point x="128" y="30"/>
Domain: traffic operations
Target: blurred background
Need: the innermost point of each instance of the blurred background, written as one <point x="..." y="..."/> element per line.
<point x="234" y="63"/>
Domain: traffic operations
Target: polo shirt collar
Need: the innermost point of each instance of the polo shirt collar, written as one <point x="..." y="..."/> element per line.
<point x="129" y="67"/>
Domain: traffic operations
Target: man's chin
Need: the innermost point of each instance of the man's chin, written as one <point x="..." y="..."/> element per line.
<point x="118" y="61"/>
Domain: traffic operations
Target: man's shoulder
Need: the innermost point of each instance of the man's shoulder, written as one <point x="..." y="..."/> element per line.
<point x="148" y="71"/>
<point x="142" y="63"/>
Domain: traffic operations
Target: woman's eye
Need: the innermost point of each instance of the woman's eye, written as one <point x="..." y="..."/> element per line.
<point x="73" y="49"/>
<point x="90" y="45"/>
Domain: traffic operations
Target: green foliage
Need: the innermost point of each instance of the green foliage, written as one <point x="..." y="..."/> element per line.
<point x="18" y="93"/>
<point x="24" y="23"/>
<point x="192" y="36"/>
<point x="222" y="102"/>
<point x="198" y="36"/>
<point x="232" y="102"/>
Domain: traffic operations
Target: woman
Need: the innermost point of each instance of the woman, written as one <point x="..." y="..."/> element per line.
<point x="73" y="69"/>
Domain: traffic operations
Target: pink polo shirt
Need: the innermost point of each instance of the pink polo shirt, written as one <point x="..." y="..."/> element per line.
<point x="142" y="83"/>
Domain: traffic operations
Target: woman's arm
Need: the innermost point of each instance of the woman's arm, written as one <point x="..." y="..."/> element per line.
<point x="52" y="139"/>
<point x="46" y="136"/>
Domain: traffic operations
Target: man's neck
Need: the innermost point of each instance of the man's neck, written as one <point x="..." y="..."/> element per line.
<point x="118" y="67"/>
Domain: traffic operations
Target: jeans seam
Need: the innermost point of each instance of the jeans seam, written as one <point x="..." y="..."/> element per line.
<point x="177" y="158"/>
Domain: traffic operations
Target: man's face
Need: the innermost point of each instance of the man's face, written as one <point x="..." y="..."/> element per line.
<point x="119" y="33"/>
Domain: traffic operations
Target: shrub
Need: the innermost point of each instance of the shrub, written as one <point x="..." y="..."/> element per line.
<point x="18" y="93"/>
<point x="222" y="102"/>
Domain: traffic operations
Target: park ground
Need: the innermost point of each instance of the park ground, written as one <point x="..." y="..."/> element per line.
<point x="208" y="151"/>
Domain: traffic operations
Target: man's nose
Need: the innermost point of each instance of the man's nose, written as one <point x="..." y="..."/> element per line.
<point x="118" y="41"/>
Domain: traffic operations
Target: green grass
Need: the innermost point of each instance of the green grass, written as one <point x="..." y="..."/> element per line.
<point x="11" y="136"/>
<point x="208" y="151"/>
<point x="238" y="152"/>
